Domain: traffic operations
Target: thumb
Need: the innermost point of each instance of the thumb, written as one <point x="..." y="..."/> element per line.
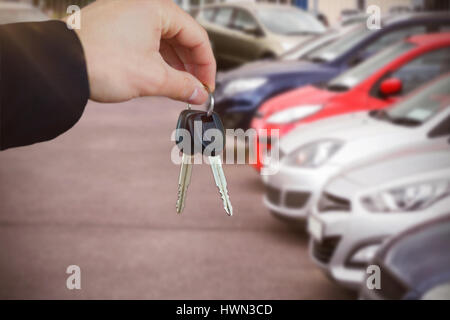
<point x="183" y="86"/>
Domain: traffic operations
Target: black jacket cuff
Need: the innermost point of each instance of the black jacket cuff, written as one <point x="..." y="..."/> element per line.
<point x="44" y="84"/>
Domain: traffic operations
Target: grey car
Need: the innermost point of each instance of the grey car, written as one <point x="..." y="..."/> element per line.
<point x="243" y="32"/>
<point x="414" y="265"/>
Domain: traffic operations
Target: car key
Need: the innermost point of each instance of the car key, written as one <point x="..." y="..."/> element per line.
<point x="187" y="159"/>
<point x="193" y="120"/>
<point x="207" y="122"/>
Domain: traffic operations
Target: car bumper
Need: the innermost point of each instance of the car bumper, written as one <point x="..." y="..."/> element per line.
<point x="291" y="192"/>
<point x="341" y="234"/>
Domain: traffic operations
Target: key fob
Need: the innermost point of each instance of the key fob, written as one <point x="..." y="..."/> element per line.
<point x="208" y="122"/>
<point x="182" y="124"/>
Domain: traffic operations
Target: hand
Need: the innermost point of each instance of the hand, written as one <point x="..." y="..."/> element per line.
<point x="137" y="48"/>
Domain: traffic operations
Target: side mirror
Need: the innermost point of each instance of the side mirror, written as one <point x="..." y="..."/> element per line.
<point x="390" y="86"/>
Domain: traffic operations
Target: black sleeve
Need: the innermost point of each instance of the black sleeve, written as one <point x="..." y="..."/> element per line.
<point x="43" y="82"/>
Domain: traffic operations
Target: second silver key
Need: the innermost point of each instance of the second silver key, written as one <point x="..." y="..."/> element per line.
<point x="221" y="182"/>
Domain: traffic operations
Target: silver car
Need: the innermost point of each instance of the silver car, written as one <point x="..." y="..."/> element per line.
<point x="364" y="206"/>
<point x="314" y="153"/>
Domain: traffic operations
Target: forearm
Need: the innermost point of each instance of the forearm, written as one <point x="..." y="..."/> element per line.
<point x="43" y="82"/>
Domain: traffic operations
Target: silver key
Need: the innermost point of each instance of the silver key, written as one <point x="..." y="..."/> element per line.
<point x="183" y="180"/>
<point x="221" y="182"/>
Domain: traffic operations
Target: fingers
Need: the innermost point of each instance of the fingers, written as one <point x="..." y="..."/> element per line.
<point x="190" y="42"/>
<point x="171" y="57"/>
<point x="176" y="84"/>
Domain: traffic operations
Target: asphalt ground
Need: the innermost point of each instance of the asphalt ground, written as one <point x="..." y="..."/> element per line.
<point x="102" y="196"/>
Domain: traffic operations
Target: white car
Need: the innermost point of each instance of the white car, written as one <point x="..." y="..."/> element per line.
<point x="366" y="205"/>
<point x="312" y="154"/>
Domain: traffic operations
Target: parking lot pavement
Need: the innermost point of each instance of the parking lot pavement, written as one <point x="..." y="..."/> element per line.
<point x="102" y="196"/>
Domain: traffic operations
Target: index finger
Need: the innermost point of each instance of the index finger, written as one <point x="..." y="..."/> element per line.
<point x="182" y="29"/>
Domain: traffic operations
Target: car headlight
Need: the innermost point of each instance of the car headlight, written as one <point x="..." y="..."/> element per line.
<point x="364" y="255"/>
<point x="293" y="114"/>
<point x="407" y="198"/>
<point x="314" y="154"/>
<point x="242" y="85"/>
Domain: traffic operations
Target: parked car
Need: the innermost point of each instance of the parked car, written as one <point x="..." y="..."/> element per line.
<point x="247" y="31"/>
<point x="12" y="12"/>
<point x="366" y="205"/>
<point x="240" y="92"/>
<point x="414" y="264"/>
<point x="374" y="84"/>
<point x="316" y="152"/>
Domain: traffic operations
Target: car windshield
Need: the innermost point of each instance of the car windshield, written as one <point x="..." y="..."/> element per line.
<point x="20" y="15"/>
<point x="289" y="21"/>
<point x="312" y="44"/>
<point x="354" y="76"/>
<point x="338" y="47"/>
<point x="420" y="107"/>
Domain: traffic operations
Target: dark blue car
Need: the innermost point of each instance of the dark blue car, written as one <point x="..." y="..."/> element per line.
<point x="240" y="92"/>
<point x="415" y="264"/>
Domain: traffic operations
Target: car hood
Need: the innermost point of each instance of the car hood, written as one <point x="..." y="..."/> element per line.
<point x="362" y="136"/>
<point x="431" y="161"/>
<point x="302" y="96"/>
<point x="344" y="127"/>
<point x="271" y="68"/>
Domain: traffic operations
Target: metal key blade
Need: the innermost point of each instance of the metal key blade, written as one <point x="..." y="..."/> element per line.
<point x="183" y="181"/>
<point x="221" y="182"/>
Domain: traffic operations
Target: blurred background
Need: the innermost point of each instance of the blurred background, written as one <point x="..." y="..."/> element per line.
<point x="361" y="100"/>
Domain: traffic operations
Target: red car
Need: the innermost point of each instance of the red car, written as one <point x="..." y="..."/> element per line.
<point x="374" y="84"/>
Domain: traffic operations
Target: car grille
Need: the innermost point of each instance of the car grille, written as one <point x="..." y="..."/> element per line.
<point x="296" y="199"/>
<point x="323" y="250"/>
<point x="273" y="195"/>
<point x="328" y="202"/>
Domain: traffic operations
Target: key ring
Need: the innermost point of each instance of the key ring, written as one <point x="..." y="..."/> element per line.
<point x="211" y="102"/>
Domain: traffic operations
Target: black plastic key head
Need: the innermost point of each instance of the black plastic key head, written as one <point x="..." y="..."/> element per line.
<point x="199" y="133"/>
<point x="207" y="132"/>
<point x="183" y="138"/>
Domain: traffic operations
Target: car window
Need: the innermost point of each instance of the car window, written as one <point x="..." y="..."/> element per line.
<point x="423" y="69"/>
<point x="389" y="38"/>
<point x="208" y="14"/>
<point x="442" y="129"/>
<point x="244" y="20"/>
<point x="424" y="104"/>
<point x="223" y="16"/>
<point x="340" y="46"/>
<point x="356" y="75"/>
<point x="289" y="21"/>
